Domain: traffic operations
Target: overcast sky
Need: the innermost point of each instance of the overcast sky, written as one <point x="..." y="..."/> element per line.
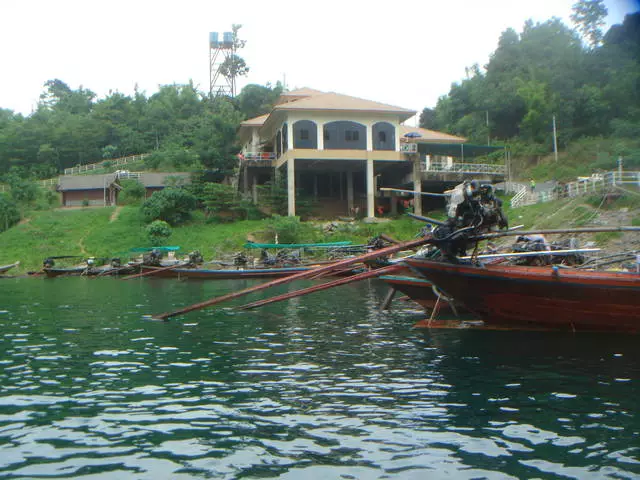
<point x="405" y="53"/>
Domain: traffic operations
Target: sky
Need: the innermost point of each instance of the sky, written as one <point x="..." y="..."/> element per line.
<point x="401" y="53"/>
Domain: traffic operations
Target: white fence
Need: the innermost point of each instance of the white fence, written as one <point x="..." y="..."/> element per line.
<point x="595" y="184"/>
<point x="112" y="162"/>
<point x="471" y="168"/>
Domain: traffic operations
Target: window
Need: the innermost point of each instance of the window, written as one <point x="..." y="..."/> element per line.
<point x="382" y="137"/>
<point x="304" y="134"/>
<point x="351" y="135"/>
<point x="327" y="137"/>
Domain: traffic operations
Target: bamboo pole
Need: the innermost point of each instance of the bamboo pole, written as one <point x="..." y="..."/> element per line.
<point x="298" y="276"/>
<point x="324" y="286"/>
<point x="487" y="236"/>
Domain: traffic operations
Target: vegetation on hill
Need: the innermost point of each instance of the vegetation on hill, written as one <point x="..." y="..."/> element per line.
<point x="587" y="80"/>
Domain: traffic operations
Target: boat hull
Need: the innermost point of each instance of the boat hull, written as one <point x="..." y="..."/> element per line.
<point x="417" y="289"/>
<point x="542" y="296"/>
<point x="221" y="274"/>
<point x="5" y="268"/>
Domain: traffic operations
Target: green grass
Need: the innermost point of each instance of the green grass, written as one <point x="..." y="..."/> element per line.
<point x="89" y="232"/>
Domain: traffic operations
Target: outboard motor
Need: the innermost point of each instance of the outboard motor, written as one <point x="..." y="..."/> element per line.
<point x="48" y="262"/>
<point x="195" y="258"/>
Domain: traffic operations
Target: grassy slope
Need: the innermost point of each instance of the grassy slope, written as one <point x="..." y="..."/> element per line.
<point x="89" y="232"/>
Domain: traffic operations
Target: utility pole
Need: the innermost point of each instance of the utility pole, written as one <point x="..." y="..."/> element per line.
<point x="555" y="140"/>
<point x="488" y="131"/>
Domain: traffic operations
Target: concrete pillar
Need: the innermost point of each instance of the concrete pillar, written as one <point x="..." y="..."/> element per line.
<point x="417" y="186"/>
<point x="369" y="130"/>
<point x="394" y="205"/>
<point x="254" y="191"/>
<point x="350" y="191"/>
<point x="371" y="199"/>
<point x="320" y="135"/>
<point x="245" y="180"/>
<point x="291" y="187"/>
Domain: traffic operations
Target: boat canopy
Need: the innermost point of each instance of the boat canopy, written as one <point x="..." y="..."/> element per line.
<point x="297" y="245"/>
<point x="148" y="249"/>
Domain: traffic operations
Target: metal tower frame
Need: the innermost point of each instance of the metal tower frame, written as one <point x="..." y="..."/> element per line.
<point x="219" y="52"/>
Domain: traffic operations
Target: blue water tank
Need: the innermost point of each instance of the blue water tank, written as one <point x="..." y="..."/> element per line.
<point x="213" y="39"/>
<point x="227" y="39"/>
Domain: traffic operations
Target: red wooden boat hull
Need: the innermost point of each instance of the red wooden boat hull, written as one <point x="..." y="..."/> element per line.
<point x="542" y="296"/>
<point x="417" y="289"/>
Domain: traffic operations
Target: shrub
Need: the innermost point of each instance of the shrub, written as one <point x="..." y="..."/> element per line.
<point x="9" y="213"/>
<point x="157" y="232"/>
<point x="132" y="191"/>
<point x="173" y="205"/>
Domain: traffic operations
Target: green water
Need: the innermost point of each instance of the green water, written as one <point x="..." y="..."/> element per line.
<point x="323" y="386"/>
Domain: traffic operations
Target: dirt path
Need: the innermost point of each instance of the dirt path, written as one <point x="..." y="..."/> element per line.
<point x="115" y="214"/>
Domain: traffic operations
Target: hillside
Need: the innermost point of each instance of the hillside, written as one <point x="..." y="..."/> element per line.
<point x="105" y="233"/>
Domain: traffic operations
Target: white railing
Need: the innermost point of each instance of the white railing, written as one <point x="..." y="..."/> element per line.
<point x="519" y="198"/>
<point x="257" y="156"/>
<point x="111" y="162"/>
<point x="127" y="174"/>
<point x="470" y="168"/>
<point x="595" y="184"/>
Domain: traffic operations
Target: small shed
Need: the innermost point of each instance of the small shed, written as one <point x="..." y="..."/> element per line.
<point x="102" y="190"/>
<point x="78" y="190"/>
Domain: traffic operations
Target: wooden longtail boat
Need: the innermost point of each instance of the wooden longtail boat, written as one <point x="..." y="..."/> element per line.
<point x="5" y="268"/>
<point x="542" y="296"/>
<point x="228" y="273"/>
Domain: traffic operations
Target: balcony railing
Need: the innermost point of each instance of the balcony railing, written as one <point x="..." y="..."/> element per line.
<point x="258" y="156"/>
<point x="471" y="168"/>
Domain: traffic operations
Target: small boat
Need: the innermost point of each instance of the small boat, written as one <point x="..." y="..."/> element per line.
<point x="52" y="272"/>
<point x="226" y="273"/>
<point x="5" y="268"/>
<point x="549" y="297"/>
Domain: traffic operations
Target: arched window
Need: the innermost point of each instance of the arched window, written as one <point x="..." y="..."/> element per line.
<point x="305" y="134"/>
<point x="345" y="135"/>
<point x="384" y="136"/>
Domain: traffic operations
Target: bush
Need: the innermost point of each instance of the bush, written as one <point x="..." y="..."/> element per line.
<point x="132" y="191"/>
<point x="173" y="205"/>
<point x="157" y="232"/>
<point x="9" y="213"/>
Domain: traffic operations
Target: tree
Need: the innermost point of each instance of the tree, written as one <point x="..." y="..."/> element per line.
<point x="588" y="16"/>
<point x="255" y="100"/>
<point x="428" y="118"/>
<point x="234" y="65"/>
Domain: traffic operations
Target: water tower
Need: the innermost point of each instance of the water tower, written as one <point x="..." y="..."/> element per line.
<point x="219" y="52"/>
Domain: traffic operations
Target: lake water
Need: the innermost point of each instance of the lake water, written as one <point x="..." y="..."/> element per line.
<point x="323" y="386"/>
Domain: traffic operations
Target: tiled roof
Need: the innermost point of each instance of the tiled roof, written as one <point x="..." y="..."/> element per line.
<point x="337" y="101"/>
<point x="85" y="182"/>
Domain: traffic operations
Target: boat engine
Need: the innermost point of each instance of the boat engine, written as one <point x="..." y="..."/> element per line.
<point x="152" y="258"/>
<point x="473" y="209"/>
<point x="48" y="263"/>
<point x="195" y="258"/>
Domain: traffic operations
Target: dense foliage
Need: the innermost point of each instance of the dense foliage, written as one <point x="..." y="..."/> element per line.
<point x="183" y="127"/>
<point x="172" y="205"/>
<point x="587" y="80"/>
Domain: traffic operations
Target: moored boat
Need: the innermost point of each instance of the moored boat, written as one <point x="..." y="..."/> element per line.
<point x="5" y="268"/>
<point x="226" y="273"/>
<point x="542" y="296"/>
